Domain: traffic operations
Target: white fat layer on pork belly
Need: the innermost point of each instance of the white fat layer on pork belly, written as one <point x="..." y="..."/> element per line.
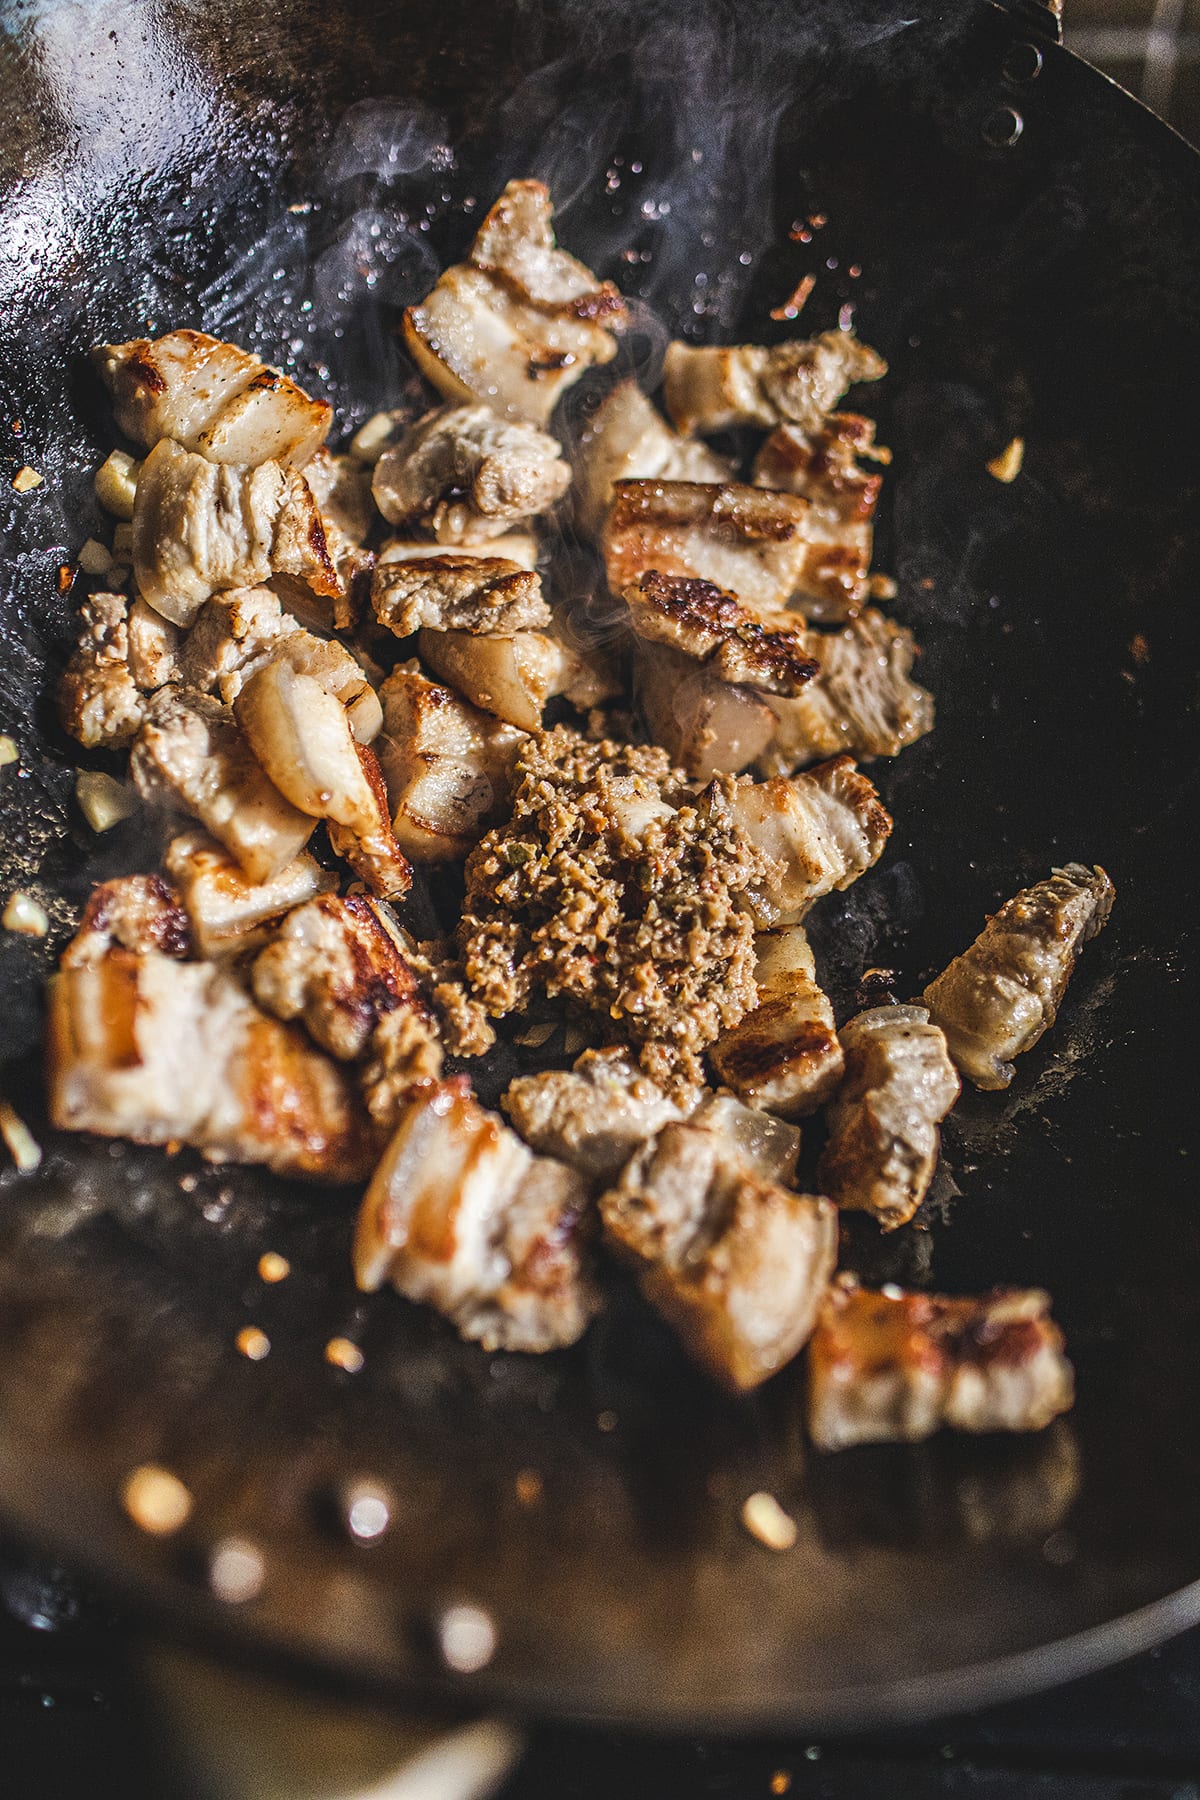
<point x="733" y="1260"/>
<point x="593" y="1115"/>
<point x="467" y="475"/>
<point x="230" y="913"/>
<point x="997" y="999"/>
<point x="200" y="528"/>
<point x="513" y="677"/>
<point x="896" y="1366"/>
<point x="486" y="595"/>
<point x="784" y="1056"/>
<point x="709" y="388"/>
<point x="520" y="321"/>
<point x="211" y="397"/>
<point x="627" y="439"/>
<point x="861" y="700"/>
<point x="460" y="1214"/>
<point x="822" y="829"/>
<point x="899" y="1084"/>
<point x="447" y="765"/>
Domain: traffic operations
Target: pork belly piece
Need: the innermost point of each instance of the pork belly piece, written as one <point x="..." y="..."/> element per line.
<point x="337" y="964"/>
<point x="748" y="541"/>
<point x="483" y="594"/>
<point x="134" y="912"/>
<point x="467" y="475"/>
<point x="229" y="912"/>
<point x="520" y="321"/>
<point x="823" y="468"/>
<point x="513" y="677"/>
<point x="861" y="700"/>
<point x="461" y="1215"/>
<point x="593" y="1115"/>
<point x="200" y="528"/>
<point x="341" y="488"/>
<point x="447" y="766"/>
<point x="627" y="439"/>
<point x="713" y="387"/>
<point x="896" y="1366"/>
<point x="784" y="1056"/>
<point x="190" y="754"/>
<point x="883" y="1122"/>
<point x="145" y="1046"/>
<point x="707" y="726"/>
<point x="210" y="397"/>
<point x="518" y="547"/>
<point x="822" y="829"/>
<point x="712" y="627"/>
<point x="99" y="702"/>
<point x="995" y="1000"/>
<point x="734" y="1261"/>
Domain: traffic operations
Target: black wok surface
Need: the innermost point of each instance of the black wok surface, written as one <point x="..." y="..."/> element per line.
<point x="162" y="164"/>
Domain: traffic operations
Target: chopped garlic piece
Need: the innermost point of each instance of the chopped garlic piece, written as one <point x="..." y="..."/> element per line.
<point x="94" y="559"/>
<point x="23" y="914"/>
<point x="9" y="752"/>
<point x="1007" y="466"/>
<point x="156" y="1500"/>
<point x="25" y="479"/>
<point x="372" y="438"/>
<point x="116" y="484"/>
<point x="103" y="801"/>
<point x="766" y="1520"/>
<point x="23" y="1147"/>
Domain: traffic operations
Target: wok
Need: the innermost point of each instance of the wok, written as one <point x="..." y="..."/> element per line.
<point x="1020" y="239"/>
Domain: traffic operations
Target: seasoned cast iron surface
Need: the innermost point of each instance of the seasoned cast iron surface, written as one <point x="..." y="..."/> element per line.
<point x="163" y="165"/>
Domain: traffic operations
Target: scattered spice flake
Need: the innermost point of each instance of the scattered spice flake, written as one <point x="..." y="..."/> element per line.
<point x="781" y="1781"/>
<point x="765" y="1519"/>
<point x="273" y="1267"/>
<point x="25" y="479"/>
<point x="796" y="300"/>
<point x="1007" y="466"/>
<point x="1139" y="649"/>
<point x="66" y="578"/>
<point x="23" y="914"/>
<point x="344" y="1355"/>
<point x="253" y="1343"/>
<point x="529" y="1487"/>
<point x="9" y="752"/>
<point x="23" y="1147"/>
<point x="156" y="1500"/>
<point x="927" y="584"/>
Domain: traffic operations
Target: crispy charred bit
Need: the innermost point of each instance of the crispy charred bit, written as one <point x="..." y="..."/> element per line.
<point x="997" y="999"/>
<point x="784" y="1056"/>
<point x="461" y="1215"/>
<point x="883" y="1123"/>
<point x="612" y="887"/>
<point x="713" y="387"/>
<point x="229" y="912"/>
<point x="467" y="475"/>
<point x="861" y="699"/>
<point x="735" y="1261"/>
<point x="486" y="595"/>
<point x="136" y="912"/>
<point x="714" y="628"/>
<point x="210" y="397"/>
<point x="892" y="1365"/>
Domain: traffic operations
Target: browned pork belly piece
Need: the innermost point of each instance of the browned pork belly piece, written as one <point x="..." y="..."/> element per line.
<point x="517" y="547"/>
<point x="784" y="1056"/>
<point x="337" y="964"/>
<point x="447" y="766"/>
<point x="883" y="1122"/>
<point x="735" y="1262"/>
<point x="897" y="1366"/>
<point x="301" y="735"/>
<point x="707" y="726"/>
<point x="762" y="651"/>
<point x="229" y="912"/>
<point x="200" y="528"/>
<point x="486" y="595"/>
<point x="143" y="1045"/>
<point x="461" y="1215"/>
<point x="341" y="488"/>
<point x="520" y="321"/>
<point x="822" y="467"/>
<point x="861" y="700"/>
<point x="190" y="754"/>
<point x="821" y="830"/>
<point x="99" y="700"/>
<point x="467" y="475"/>
<point x="712" y="387"/>
<point x="748" y="541"/>
<point x="210" y="397"/>
<point x="593" y="1115"/>
<point x="627" y="439"/>
<point x="238" y="633"/>
<point x="995" y="1000"/>
<point x="513" y="677"/>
